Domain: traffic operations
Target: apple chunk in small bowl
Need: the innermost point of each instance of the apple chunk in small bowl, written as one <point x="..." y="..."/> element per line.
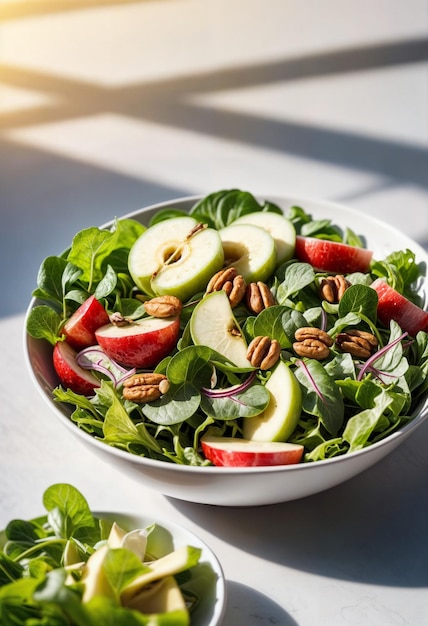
<point x="235" y="351"/>
<point x="72" y="565"/>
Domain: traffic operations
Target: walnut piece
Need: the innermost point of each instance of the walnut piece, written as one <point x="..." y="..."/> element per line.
<point x="359" y="343"/>
<point x="263" y="352"/>
<point x="163" y="306"/>
<point x="229" y="281"/>
<point x="258" y="297"/>
<point x="332" y="288"/>
<point x="145" y="387"/>
<point x="312" y="342"/>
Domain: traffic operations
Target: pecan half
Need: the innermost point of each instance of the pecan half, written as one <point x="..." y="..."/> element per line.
<point x="263" y="352"/>
<point x="145" y="387"/>
<point x="332" y="288"/>
<point x="163" y="306"/>
<point x="359" y="343"/>
<point x="312" y="342"/>
<point x="258" y="297"/>
<point x="229" y="281"/>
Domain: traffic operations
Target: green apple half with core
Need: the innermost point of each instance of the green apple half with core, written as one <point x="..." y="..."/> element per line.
<point x="213" y="324"/>
<point x="281" y="229"/>
<point x="175" y="257"/>
<point x="250" y="249"/>
<point x="278" y="421"/>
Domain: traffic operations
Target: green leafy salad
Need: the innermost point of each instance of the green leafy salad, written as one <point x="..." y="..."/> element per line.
<point x="70" y="567"/>
<point x="362" y="384"/>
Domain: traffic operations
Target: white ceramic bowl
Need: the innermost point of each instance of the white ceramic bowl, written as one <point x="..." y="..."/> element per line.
<point x="170" y="536"/>
<point x="212" y="605"/>
<point x="256" y="485"/>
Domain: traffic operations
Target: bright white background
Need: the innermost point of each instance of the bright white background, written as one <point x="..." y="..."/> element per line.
<point x="107" y="106"/>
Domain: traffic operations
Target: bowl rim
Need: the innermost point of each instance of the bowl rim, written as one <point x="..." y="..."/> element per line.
<point x="174" y="528"/>
<point x="401" y="433"/>
<point x="180" y="535"/>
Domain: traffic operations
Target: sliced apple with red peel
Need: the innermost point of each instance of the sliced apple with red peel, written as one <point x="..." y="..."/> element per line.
<point x="281" y="229"/>
<point x="79" y="329"/>
<point x="250" y="250"/>
<point x="141" y="344"/>
<point x="71" y="375"/>
<point x="234" y="452"/>
<point x="392" y="305"/>
<point x="332" y="256"/>
<point x="278" y="421"/>
<point x="213" y="324"/>
<point x="175" y="257"/>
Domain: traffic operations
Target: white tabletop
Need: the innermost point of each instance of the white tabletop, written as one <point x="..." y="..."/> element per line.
<point x="272" y="96"/>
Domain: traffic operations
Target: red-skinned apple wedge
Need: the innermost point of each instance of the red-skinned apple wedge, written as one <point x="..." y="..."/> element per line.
<point x="394" y="306"/>
<point x="234" y="452"/>
<point x="79" y="329"/>
<point x="142" y="344"/>
<point x="332" y="256"/>
<point x="71" y="375"/>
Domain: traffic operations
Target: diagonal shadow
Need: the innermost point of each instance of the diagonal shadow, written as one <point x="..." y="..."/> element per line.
<point x="371" y="529"/>
<point x="168" y="102"/>
<point x="68" y="195"/>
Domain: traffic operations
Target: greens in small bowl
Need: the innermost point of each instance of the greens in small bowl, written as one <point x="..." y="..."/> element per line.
<point x="347" y="410"/>
<point x="72" y="566"/>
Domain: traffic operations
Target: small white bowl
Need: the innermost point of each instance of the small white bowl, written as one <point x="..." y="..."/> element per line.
<point x="212" y="605"/>
<point x="170" y="536"/>
<point x="254" y="485"/>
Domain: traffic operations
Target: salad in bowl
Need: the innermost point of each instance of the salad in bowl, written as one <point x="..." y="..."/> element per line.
<point x="234" y="332"/>
<point x="73" y="566"/>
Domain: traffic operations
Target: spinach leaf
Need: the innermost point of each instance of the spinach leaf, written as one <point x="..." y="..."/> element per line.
<point x="192" y="364"/>
<point x="118" y="428"/>
<point x="68" y="511"/>
<point x="249" y="403"/>
<point x="44" y="323"/>
<point x="89" y="249"/>
<point x="221" y="208"/>
<point x="50" y="279"/>
<point x="107" y="284"/>
<point x="294" y="277"/>
<point x="401" y="271"/>
<point x="359" y="299"/>
<point x="360" y="426"/>
<point x="177" y="405"/>
<point x="121" y="567"/>
<point x="166" y="214"/>
<point x="321" y="395"/>
<point x="272" y="322"/>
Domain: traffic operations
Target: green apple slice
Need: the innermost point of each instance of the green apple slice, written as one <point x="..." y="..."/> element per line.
<point x="280" y="418"/>
<point x="175" y="257"/>
<point x="250" y="249"/>
<point x="175" y="562"/>
<point x="281" y="229"/>
<point x="94" y="579"/>
<point x="163" y="601"/>
<point x="213" y="324"/>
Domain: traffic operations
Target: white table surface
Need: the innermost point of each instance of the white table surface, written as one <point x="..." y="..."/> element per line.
<point x="324" y="99"/>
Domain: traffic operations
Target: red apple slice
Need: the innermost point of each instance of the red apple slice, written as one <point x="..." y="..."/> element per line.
<point x="394" y="306"/>
<point x="71" y="375"/>
<point x="332" y="256"/>
<point x="80" y="328"/>
<point x="234" y="452"/>
<point x="140" y="344"/>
